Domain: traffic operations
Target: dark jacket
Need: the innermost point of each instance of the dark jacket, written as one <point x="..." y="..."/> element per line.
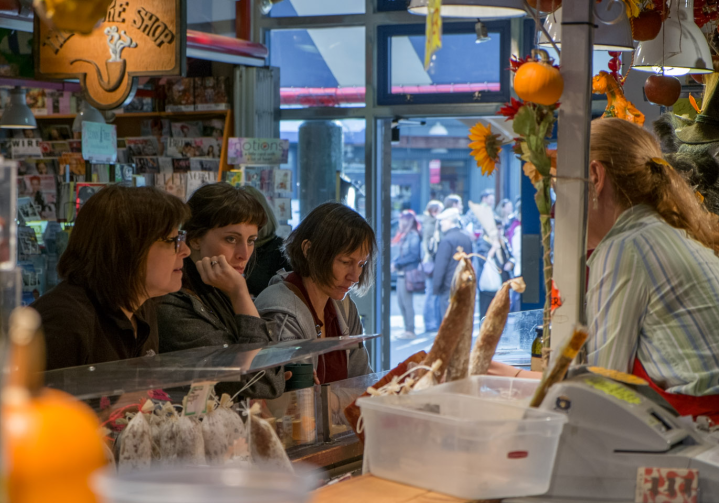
<point x="444" y="263"/>
<point x="268" y="259"/>
<point x="79" y="331"/>
<point x="410" y="252"/>
<point x="200" y="315"/>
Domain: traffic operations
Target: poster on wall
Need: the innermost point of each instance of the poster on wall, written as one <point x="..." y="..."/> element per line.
<point x="257" y="151"/>
<point x="138" y="38"/>
<point x="99" y="142"/>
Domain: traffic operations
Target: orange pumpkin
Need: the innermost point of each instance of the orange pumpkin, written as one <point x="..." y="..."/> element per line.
<point x="51" y="441"/>
<point x="538" y="81"/>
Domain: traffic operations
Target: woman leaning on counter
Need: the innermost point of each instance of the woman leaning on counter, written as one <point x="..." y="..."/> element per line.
<point x="653" y="290"/>
<point x="332" y="251"/>
<point x="124" y="249"/>
<point x="214" y="306"/>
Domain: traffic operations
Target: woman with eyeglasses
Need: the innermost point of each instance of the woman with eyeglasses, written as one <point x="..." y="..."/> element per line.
<point x="125" y="248"/>
<point x="214" y="307"/>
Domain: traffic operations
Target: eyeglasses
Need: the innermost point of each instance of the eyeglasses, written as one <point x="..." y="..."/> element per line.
<point x="178" y="240"/>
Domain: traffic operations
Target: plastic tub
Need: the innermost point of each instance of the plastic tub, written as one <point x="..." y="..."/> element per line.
<point x="461" y="445"/>
<point x="203" y="484"/>
<point x="491" y="387"/>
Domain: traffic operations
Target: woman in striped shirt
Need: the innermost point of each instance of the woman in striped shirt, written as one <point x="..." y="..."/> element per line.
<point x="653" y="290"/>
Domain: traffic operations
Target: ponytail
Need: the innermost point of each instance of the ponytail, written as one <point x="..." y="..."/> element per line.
<point x="639" y="174"/>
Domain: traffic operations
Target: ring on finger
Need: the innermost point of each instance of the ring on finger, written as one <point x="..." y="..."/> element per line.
<point x="213" y="263"/>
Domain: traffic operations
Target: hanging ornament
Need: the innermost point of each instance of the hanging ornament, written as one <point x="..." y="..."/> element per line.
<point x="662" y="89"/>
<point x="539" y="81"/>
<point x="615" y="65"/>
<point x="80" y="16"/>
<point x="647" y="25"/>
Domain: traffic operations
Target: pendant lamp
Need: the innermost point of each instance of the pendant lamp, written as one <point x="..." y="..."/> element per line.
<point x="88" y="113"/>
<point x="613" y="32"/>
<point x="477" y="9"/>
<point x="18" y="115"/>
<point x="680" y="47"/>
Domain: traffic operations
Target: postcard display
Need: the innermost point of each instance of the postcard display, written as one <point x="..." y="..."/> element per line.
<point x="258" y="161"/>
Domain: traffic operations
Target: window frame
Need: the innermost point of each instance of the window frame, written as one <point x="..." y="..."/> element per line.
<point x="384" y="64"/>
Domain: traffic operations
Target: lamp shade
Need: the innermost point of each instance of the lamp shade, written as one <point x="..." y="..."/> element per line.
<point x="477" y="9"/>
<point x="680" y="47"/>
<point x="613" y="32"/>
<point x="88" y="113"/>
<point x="18" y="115"/>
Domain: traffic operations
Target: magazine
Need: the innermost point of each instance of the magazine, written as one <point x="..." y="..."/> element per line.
<point x="283" y="180"/>
<point x="123" y="174"/>
<point x="181" y="165"/>
<point x="172" y="183"/>
<point x="149" y="164"/>
<point x="199" y="164"/>
<point x="197" y="180"/>
<point x="84" y="191"/>
<point x="214" y="128"/>
<point x="166" y="165"/>
<point x="54" y="148"/>
<point x="180" y="95"/>
<point x="233" y="177"/>
<point x="252" y="176"/>
<point x="143" y="146"/>
<point x="25" y="147"/>
<point x="194" y="147"/>
<point x="74" y="161"/>
<point x="211" y="93"/>
<point x="155" y="127"/>
<point x="56" y="132"/>
<point x="282" y="207"/>
<point x="42" y="190"/>
<point x="42" y="166"/>
<point x="29" y="213"/>
<point x="190" y="129"/>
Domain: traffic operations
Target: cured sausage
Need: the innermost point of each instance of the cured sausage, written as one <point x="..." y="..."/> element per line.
<point x="492" y="328"/>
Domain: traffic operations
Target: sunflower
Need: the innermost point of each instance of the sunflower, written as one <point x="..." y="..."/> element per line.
<point x="485" y="147"/>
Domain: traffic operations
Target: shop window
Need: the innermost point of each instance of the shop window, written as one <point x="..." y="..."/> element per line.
<point x="302" y="8"/>
<point x="320" y="67"/>
<point x="213" y="16"/>
<point x="462" y="71"/>
<point x="332" y="168"/>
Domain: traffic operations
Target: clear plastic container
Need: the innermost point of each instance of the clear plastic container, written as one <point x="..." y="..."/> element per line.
<point x="491" y="388"/>
<point x="201" y="485"/>
<point x="461" y="445"/>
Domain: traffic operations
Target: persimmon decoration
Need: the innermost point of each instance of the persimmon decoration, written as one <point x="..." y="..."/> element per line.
<point x="647" y="25"/>
<point x="50" y="440"/>
<point x="539" y="81"/>
<point x="662" y="89"/>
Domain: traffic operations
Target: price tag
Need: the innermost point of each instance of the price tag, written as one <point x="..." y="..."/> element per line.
<point x="667" y="485"/>
<point x="195" y="403"/>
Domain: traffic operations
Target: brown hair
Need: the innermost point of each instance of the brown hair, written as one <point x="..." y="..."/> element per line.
<point x="332" y="229"/>
<point x="108" y="246"/>
<point x="634" y="165"/>
<point x="219" y="205"/>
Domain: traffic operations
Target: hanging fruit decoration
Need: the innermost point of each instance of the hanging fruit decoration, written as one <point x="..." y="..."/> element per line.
<point x="705" y="11"/>
<point x="662" y="89"/>
<point x="539" y="81"/>
<point x="50" y="440"/>
<point x="545" y="5"/>
<point x="647" y="25"/>
<point x="80" y="16"/>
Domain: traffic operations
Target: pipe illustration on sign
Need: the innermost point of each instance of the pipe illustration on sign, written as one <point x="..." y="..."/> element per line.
<point x="115" y="65"/>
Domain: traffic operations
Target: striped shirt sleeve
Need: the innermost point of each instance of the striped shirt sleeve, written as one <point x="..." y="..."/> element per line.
<point x="617" y="299"/>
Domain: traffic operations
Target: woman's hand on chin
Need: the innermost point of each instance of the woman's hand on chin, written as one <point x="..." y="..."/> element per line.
<point x="229" y="281"/>
<point x="215" y="271"/>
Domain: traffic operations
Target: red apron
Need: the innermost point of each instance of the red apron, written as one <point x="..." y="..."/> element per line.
<point x="685" y="405"/>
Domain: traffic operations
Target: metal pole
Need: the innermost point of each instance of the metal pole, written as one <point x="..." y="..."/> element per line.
<point x="572" y="167"/>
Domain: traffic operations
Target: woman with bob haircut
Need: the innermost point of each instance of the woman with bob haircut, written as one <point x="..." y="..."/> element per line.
<point x="331" y="252"/>
<point x="214" y="306"/>
<point x="125" y="248"/>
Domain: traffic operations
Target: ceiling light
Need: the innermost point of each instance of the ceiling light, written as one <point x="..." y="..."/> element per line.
<point x="485" y="9"/>
<point x="438" y="130"/>
<point x="680" y="47"/>
<point x="88" y="113"/>
<point x="613" y="30"/>
<point x="18" y="115"/>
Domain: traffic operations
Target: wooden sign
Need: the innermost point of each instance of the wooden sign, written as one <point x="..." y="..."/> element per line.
<point x="139" y="38"/>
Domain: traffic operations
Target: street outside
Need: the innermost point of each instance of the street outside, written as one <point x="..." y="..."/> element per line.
<point x="512" y="349"/>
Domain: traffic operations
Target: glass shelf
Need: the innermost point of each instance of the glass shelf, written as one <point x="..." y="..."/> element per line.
<point x="182" y="368"/>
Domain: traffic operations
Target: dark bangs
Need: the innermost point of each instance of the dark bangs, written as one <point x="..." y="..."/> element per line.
<point x="219" y="205"/>
<point x="332" y="229"/>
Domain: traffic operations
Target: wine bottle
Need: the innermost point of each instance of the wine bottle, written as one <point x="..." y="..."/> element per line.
<point x="537" y="350"/>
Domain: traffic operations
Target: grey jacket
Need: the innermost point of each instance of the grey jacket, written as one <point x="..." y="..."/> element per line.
<point x="294" y="321"/>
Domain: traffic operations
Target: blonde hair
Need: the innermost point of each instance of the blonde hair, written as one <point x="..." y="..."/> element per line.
<point x="635" y="167"/>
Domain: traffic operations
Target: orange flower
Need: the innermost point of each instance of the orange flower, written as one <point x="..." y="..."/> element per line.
<point x="533" y="173"/>
<point x="485" y="147"/>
